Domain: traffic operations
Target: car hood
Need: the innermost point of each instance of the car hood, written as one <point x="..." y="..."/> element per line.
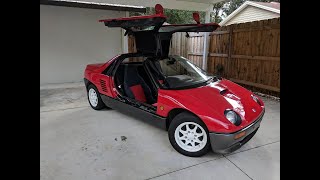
<point x="212" y="100"/>
<point x="225" y="94"/>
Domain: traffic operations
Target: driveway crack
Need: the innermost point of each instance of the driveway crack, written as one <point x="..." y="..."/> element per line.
<point x="183" y="168"/>
<point x="62" y="109"/>
<point x="238" y="167"/>
<point x="252" y="148"/>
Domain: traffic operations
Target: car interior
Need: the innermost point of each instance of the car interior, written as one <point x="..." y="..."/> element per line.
<point x="133" y="81"/>
<point x="141" y="80"/>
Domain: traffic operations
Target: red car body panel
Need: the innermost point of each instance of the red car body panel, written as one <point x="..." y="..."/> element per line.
<point x="93" y="73"/>
<point x="209" y="105"/>
<point x="206" y="102"/>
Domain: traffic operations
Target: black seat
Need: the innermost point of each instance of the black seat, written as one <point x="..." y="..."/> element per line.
<point x="156" y="70"/>
<point x="135" y="87"/>
<point x="119" y="76"/>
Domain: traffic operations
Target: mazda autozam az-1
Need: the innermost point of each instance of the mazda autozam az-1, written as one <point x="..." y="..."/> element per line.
<point x="199" y="111"/>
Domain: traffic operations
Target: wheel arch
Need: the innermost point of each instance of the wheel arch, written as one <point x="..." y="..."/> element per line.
<point x="87" y="83"/>
<point x="174" y="112"/>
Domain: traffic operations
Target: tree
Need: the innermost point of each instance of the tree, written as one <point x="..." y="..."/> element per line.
<point x="174" y="16"/>
<point x="217" y="12"/>
<point x="181" y="16"/>
<point x="232" y="6"/>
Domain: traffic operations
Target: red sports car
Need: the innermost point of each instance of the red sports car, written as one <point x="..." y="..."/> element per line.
<point x="199" y="111"/>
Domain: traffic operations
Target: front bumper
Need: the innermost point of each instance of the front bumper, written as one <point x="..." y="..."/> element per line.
<point x="226" y="143"/>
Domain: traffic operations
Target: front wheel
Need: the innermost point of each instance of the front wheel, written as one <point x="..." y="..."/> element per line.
<point x="189" y="135"/>
<point x="94" y="98"/>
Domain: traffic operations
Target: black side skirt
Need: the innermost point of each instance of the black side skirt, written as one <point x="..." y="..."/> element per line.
<point x="148" y="117"/>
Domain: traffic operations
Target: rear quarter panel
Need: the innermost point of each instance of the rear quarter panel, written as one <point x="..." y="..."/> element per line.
<point x="104" y="83"/>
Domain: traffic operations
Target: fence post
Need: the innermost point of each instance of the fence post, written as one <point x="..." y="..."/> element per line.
<point x="124" y="39"/>
<point x="206" y="42"/>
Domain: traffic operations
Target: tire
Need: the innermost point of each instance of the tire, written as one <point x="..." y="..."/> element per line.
<point x="196" y="143"/>
<point x="95" y="105"/>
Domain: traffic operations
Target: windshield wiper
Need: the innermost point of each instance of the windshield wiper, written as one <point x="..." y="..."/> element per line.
<point x="208" y="80"/>
<point x="213" y="79"/>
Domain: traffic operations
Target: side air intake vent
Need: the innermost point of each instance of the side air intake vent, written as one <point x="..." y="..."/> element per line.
<point x="103" y="85"/>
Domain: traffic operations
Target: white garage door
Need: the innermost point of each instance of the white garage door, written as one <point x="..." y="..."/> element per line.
<point x="70" y="38"/>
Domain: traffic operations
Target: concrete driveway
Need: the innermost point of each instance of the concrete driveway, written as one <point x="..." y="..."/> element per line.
<point x="77" y="142"/>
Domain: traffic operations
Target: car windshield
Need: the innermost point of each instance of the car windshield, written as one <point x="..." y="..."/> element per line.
<point x="179" y="72"/>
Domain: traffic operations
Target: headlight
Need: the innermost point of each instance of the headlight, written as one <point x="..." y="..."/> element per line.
<point x="233" y="117"/>
<point x="256" y="99"/>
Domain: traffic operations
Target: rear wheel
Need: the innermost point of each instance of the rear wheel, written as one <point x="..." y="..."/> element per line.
<point x="94" y="98"/>
<point x="189" y="135"/>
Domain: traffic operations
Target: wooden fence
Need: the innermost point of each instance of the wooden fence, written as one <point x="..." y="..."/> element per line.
<point x="247" y="53"/>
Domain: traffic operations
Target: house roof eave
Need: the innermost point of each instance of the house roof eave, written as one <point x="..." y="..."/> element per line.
<point x="243" y="6"/>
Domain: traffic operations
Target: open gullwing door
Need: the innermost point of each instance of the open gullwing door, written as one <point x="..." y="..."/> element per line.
<point x="152" y="37"/>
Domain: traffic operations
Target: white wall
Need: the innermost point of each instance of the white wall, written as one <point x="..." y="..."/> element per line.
<point x="251" y="13"/>
<point x="71" y="38"/>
